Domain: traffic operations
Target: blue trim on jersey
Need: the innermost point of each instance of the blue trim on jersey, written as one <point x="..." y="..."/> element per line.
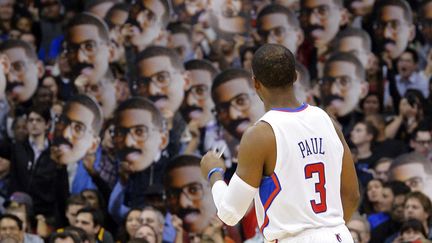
<point x="297" y="109"/>
<point x="266" y="188"/>
<point x="269" y="189"/>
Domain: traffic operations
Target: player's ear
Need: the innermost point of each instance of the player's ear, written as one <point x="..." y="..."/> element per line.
<point x="257" y="84"/>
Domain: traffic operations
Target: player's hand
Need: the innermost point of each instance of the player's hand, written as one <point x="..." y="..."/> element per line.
<point x="211" y="160"/>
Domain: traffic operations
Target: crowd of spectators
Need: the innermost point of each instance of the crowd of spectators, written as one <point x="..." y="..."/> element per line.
<point x="106" y="107"/>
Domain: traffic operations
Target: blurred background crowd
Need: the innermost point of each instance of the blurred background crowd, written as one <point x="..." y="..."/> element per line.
<point x="106" y="107"/>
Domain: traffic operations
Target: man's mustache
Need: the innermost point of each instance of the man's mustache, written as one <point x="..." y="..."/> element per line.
<point x="11" y="85"/>
<point x="123" y="153"/>
<point x="234" y="124"/>
<point x="387" y="41"/>
<point x="156" y="98"/>
<point x="189" y="109"/>
<point x="80" y="66"/>
<point x="311" y="28"/>
<point x="183" y="212"/>
<point x="60" y="140"/>
<point x="329" y="99"/>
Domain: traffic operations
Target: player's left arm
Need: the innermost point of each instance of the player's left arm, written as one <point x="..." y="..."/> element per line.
<point x="232" y="201"/>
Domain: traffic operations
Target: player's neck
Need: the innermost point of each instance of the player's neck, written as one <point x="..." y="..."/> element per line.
<point x="281" y="99"/>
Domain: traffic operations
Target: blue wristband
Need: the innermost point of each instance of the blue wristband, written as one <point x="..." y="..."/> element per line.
<point x="212" y="171"/>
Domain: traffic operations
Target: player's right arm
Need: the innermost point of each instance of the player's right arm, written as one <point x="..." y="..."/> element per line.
<point x="350" y="194"/>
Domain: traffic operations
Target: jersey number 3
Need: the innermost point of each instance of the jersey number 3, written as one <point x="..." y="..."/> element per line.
<point x="310" y="169"/>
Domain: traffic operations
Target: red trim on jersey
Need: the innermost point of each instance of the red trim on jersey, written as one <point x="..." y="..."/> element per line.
<point x="270" y="200"/>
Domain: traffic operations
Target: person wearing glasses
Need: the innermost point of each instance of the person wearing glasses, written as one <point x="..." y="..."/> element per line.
<point x="161" y="77"/>
<point x="342" y="87"/>
<point x="189" y="197"/>
<point x="277" y="24"/>
<point x="421" y="140"/>
<point x="139" y="137"/>
<point x="321" y="21"/>
<point x="24" y="73"/>
<point x="89" y="51"/>
<point x="393" y="29"/>
<point x="237" y="106"/>
<point x="414" y="170"/>
<point x="197" y="109"/>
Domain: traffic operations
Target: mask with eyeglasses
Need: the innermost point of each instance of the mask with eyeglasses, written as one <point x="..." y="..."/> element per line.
<point x="139" y="133"/>
<point x="241" y="102"/>
<point x="88" y="48"/>
<point x="394" y="25"/>
<point x="193" y="191"/>
<point x="78" y="129"/>
<point x="342" y="81"/>
<point x="161" y="79"/>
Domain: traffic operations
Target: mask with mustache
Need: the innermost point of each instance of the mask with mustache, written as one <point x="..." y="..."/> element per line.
<point x="329" y="99"/>
<point x="123" y="153"/>
<point x="11" y="85"/>
<point x="232" y="126"/>
<point x="76" y="71"/>
<point x="187" y="110"/>
<point x="60" y="140"/>
<point x="311" y="28"/>
<point x="183" y="212"/>
<point x="156" y="98"/>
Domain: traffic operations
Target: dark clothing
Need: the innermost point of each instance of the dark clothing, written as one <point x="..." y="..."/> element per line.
<point x="384" y="230"/>
<point x="389" y="148"/>
<point x="175" y="133"/>
<point x="139" y="182"/>
<point x="44" y="180"/>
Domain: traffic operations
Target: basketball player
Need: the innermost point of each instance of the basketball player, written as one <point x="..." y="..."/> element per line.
<point x="294" y="162"/>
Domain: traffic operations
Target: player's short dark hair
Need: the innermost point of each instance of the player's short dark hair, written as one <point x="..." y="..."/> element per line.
<point x="180" y="28"/>
<point x="28" y="49"/>
<point x="141" y="104"/>
<point x="96" y="215"/>
<point x="276" y="9"/>
<point x="201" y="64"/>
<point x="14" y="218"/>
<point x="156" y="51"/>
<point x="42" y="111"/>
<point x="407" y="11"/>
<point x="351" y="32"/>
<point x="90" y="104"/>
<point x="345" y="57"/>
<point x="64" y="235"/>
<point x="274" y="66"/>
<point x="178" y="162"/>
<point x="88" y="19"/>
<point x="228" y="75"/>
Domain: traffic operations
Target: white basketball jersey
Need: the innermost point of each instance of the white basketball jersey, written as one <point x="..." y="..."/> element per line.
<point x="304" y="190"/>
